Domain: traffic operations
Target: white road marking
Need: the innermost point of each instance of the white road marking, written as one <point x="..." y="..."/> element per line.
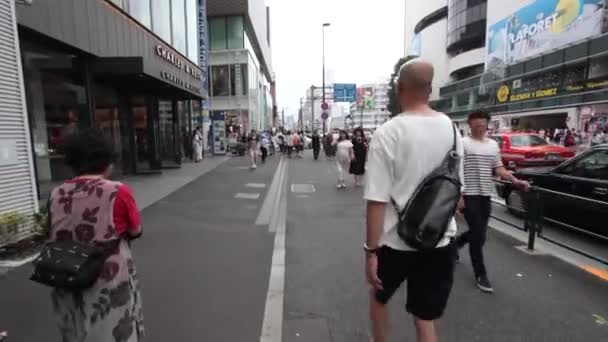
<point x="303" y="188"/>
<point x="250" y="196"/>
<point x="273" y="196"/>
<point x="272" y="327"/>
<point x="256" y="185"/>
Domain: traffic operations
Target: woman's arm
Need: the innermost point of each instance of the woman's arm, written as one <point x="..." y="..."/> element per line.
<point x="126" y="214"/>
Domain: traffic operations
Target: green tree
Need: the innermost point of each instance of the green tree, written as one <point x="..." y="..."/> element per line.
<point x="393" y="102"/>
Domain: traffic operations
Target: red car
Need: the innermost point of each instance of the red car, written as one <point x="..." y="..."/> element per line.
<point x="520" y="150"/>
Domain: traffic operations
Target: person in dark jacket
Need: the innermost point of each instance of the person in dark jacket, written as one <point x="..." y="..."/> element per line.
<point x="316" y="144"/>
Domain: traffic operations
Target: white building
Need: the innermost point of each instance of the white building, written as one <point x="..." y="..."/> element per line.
<point x="241" y="78"/>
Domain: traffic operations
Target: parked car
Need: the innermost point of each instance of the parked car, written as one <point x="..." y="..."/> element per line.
<point x="585" y="175"/>
<point x="529" y="150"/>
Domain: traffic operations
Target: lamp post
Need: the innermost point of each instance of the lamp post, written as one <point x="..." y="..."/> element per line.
<point x="323" y="78"/>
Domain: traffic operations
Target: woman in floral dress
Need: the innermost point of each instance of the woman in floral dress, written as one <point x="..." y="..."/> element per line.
<point x="94" y="210"/>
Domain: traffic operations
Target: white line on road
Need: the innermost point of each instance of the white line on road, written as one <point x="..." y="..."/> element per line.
<point x="250" y="196"/>
<point x="272" y="327"/>
<point x="270" y="204"/>
<point x="256" y="185"/>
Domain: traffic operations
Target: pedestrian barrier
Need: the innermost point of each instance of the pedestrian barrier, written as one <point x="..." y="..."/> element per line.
<point x="534" y="221"/>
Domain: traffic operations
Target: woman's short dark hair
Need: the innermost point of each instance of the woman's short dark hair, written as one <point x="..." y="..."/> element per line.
<point x="88" y="152"/>
<point x="479" y="114"/>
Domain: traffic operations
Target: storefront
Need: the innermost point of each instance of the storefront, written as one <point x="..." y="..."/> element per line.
<point x="119" y="77"/>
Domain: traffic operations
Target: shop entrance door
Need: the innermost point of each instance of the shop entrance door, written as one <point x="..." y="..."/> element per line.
<point x="145" y="134"/>
<point x="168" y="137"/>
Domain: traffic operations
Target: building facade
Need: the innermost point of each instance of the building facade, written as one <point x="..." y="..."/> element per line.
<point x="536" y="65"/>
<point x="127" y="67"/>
<point x="19" y="199"/>
<point x="241" y="77"/>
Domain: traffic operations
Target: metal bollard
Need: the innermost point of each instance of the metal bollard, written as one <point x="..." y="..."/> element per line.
<point x="533" y="216"/>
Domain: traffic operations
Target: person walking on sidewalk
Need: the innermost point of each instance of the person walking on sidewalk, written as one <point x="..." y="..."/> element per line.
<point x="344" y="155"/>
<point x="482" y="161"/>
<point x="404" y="151"/>
<point x="316" y="144"/>
<point x="357" y="165"/>
<point x="265" y="146"/>
<point x="95" y="211"/>
<point x="197" y="144"/>
<point x="253" y="141"/>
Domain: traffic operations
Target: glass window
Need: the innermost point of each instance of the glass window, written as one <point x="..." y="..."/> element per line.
<point x="235" y="33"/>
<point x="161" y="21"/>
<point x="220" y="85"/>
<point x="140" y="10"/>
<point x="57" y="107"/>
<point x="244" y="79"/>
<point x="217" y="34"/>
<point x="233" y="80"/>
<point x="178" y="20"/>
<point x="192" y="29"/>
<point x="527" y="140"/>
<point x="594" y="165"/>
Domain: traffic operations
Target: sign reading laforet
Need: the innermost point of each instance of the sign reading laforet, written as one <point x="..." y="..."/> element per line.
<point x="542" y="26"/>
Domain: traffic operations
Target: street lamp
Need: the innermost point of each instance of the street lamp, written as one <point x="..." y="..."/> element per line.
<point x="323" y="79"/>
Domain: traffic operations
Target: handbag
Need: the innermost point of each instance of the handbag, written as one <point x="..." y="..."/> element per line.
<point x="423" y="221"/>
<point x="71" y="265"/>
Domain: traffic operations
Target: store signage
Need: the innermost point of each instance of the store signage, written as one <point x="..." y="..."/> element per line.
<point x="203" y="39"/>
<point x="178" y="81"/>
<point x="507" y="94"/>
<point x="177" y="62"/>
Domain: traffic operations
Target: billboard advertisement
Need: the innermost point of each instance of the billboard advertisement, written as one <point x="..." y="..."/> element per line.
<point x="345" y="92"/>
<point x="415" y="49"/>
<point x="365" y="98"/>
<point x="542" y="26"/>
<point x="203" y="38"/>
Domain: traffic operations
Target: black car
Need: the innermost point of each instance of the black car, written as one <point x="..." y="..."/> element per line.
<point x="585" y="175"/>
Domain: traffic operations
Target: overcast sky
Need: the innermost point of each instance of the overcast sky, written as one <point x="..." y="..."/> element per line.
<point x="362" y="44"/>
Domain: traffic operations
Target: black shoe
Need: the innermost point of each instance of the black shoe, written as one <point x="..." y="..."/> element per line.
<point x="484" y="284"/>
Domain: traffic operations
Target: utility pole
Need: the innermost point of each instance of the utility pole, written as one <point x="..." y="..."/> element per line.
<point x="323" y="78"/>
<point x="362" y="106"/>
<point x="283" y="118"/>
<point x="301" y="115"/>
<point x="312" y="106"/>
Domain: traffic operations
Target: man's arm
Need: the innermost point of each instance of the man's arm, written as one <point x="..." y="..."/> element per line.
<point x="375" y="223"/>
<point x="508" y="175"/>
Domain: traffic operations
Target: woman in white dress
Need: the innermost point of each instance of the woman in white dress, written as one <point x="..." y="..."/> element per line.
<point x="344" y="155"/>
<point x="197" y="144"/>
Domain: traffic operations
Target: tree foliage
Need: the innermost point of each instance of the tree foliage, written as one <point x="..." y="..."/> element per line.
<point x="393" y="101"/>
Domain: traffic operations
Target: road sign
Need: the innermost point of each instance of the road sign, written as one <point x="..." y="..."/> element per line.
<point x="345" y="92"/>
<point x="324" y="106"/>
<point x="325" y="115"/>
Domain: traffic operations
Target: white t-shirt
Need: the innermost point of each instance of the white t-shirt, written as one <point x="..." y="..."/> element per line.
<point x="481" y="158"/>
<point x="403" y="152"/>
<point x="343" y="150"/>
<point x="289" y="140"/>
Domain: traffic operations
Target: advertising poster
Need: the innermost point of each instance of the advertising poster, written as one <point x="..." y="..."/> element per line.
<point x="542" y="26"/>
<point x="218" y="133"/>
<point x="365" y="98"/>
<point x="415" y="49"/>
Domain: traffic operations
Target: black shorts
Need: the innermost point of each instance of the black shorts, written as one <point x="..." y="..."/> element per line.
<point x="429" y="275"/>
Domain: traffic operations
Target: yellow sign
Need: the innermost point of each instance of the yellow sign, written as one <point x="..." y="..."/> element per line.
<point x="503" y="93"/>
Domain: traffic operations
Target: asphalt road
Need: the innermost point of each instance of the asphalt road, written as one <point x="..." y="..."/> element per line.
<point x="537" y="298"/>
<point x="205" y="269"/>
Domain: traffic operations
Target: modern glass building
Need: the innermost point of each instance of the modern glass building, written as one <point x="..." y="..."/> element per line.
<point x="129" y="67"/>
<point x="241" y="77"/>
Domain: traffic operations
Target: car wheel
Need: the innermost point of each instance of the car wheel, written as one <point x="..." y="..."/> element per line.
<point x="515" y="203"/>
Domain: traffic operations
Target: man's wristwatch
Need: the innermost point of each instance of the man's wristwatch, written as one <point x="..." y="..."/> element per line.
<point x="370" y="250"/>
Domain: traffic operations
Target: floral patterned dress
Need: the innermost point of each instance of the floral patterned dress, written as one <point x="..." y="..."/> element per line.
<point x="109" y="311"/>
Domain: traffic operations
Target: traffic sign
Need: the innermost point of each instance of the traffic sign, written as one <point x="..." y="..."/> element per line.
<point x="325" y="115"/>
<point x="324" y="106"/>
<point x="345" y="92"/>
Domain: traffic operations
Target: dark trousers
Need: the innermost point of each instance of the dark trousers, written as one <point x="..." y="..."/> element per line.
<point x="477" y="214"/>
<point x="264" y="153"/>
<point x="315" y="151"/>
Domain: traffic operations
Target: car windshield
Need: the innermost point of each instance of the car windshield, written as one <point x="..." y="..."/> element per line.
<point x="527" y="140"/>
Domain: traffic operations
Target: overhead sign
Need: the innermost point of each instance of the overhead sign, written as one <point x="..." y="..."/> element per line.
<point x="345" y="92"/>
<point x="541" y="26"/>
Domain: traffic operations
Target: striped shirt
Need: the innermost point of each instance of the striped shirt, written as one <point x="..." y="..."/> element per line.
<point x="481" y="158"/>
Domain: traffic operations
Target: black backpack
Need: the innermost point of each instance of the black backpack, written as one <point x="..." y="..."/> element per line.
<point x="427" y="215"/>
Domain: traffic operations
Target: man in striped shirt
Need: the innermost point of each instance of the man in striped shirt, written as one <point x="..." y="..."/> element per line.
<point x="482" y="161"/>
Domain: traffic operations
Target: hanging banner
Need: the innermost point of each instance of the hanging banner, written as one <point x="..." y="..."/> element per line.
<point x="542" y="26"/>
<point x="203" y="45"/>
